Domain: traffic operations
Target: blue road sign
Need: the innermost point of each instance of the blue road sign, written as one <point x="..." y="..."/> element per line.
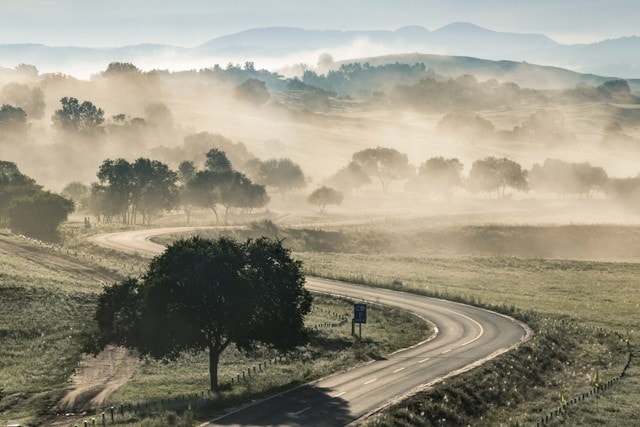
<point x="359" y="313"/>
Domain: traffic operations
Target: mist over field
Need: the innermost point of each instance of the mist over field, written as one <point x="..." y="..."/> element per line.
<point x="322" y="119"/>
<point x="493" y="163"/>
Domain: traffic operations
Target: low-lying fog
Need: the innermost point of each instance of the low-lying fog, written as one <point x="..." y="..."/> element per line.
<point x="178" y="116"/>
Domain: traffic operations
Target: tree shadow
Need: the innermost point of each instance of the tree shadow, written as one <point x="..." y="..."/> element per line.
<point x="308" y="405"/>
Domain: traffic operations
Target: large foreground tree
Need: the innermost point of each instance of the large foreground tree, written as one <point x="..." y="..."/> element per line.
<point x="203" y="294"/>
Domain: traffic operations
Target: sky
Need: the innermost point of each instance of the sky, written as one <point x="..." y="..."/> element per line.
<point x="188" y="23"/>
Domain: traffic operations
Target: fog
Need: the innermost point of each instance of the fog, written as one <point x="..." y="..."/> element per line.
<point x="413" y="110"/>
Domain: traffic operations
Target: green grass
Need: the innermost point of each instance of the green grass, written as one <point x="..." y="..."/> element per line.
<point x="593" y="293"/>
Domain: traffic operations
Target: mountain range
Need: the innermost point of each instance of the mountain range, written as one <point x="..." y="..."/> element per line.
<point x="286" y="45"/>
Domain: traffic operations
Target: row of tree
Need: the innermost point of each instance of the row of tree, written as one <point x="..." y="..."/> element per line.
<point x="439" y="176"/>
<point x="28" y="209"/>
<point x="145" y="187"/>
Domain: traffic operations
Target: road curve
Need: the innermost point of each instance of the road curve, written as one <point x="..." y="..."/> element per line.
<point x="466" y="337"/>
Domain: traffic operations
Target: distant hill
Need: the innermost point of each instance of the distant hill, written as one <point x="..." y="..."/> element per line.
<point x="282" y="45"/>
<point x="521" y="73"/>
<point x="454" y="38"/>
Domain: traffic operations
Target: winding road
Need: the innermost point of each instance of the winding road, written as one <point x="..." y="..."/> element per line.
<point x="466" y="337"/>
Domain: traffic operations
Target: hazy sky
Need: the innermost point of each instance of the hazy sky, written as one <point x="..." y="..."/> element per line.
<point x="192" y="22"/>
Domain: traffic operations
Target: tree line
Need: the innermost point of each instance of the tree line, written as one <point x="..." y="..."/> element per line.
<point x="439" y="176"/>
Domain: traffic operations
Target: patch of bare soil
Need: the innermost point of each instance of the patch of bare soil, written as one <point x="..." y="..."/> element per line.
<point x="96" y="378"/>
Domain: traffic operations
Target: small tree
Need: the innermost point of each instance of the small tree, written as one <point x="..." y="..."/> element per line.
<point x="438" y="176"/>
<point x="83" y="119"/>
<point x="350" y="178"/>
<point x="493" y="174"/>
<point x="77" y="192"/>
<point x="39" y="215"/>
<point x="253" y="91"/>
<point x="386" y="164"/>
<point x="283" y="174"/>
<point x="203" y="294"/>
<point x="324" y="196"/>
<point x="217" y="161"/>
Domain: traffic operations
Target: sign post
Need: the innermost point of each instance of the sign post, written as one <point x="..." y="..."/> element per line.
<point x="359" y="316"/>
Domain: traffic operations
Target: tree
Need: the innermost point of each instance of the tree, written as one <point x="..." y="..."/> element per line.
<point x="350" y="178"/>
<point x="493" y="174"/>
<point x="202" y="190"/>
<point x="438" y="175"/>
<point x="119" y="68"/>
<point x="100" y="205"/>
<point x="386" y="164"/>
<point x="154" y="188"/>
<point x="82" y="119"/>
<point x="217" y="161"/>
<point x="13" y="185"/>
<point x="13" y="123"/>
<point x="186" y="171"/>
<point x="283" y="174"/>
<point x="76" y="192"/>
<point x="253" y="91"/>
<point x="465" y="124"/>
<point x="324" y="196"/>
<point x="237" y="191"/>
<point x="203" y="294"/>
<point x="40" y="214"/>
<point x="30" y="99"/>
<point x="563" y="178"/>
<point x="117" y="177"/>
<point x="142" y="187"/>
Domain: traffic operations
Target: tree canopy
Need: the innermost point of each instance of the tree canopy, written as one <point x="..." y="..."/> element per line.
<point x="28" y="209"/>
<point x="438" y="176"/>
<point x="350" y="178"/>
<point x="493" y="174"/>
<point x="283" y="174"/>
<point x="324" y="196"/>
<point x="253" y="91"/>
<point x="82" y="119"/>
<point x="385" y="164"/>
<point x="204" y="294"/>
<point x="143" y="187"/>
<point x="564" y="178"/>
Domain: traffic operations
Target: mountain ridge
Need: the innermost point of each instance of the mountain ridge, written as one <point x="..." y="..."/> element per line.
<point x="615" y="57"/>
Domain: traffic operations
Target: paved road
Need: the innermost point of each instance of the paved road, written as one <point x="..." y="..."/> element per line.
<point x="466" y="337"/>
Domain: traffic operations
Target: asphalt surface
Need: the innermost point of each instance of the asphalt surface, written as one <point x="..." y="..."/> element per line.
<point x="466" y="337"/>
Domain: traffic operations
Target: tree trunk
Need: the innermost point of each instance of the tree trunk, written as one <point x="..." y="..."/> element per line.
<point x="216" y="213"/>
<point x="214" y="358"/>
